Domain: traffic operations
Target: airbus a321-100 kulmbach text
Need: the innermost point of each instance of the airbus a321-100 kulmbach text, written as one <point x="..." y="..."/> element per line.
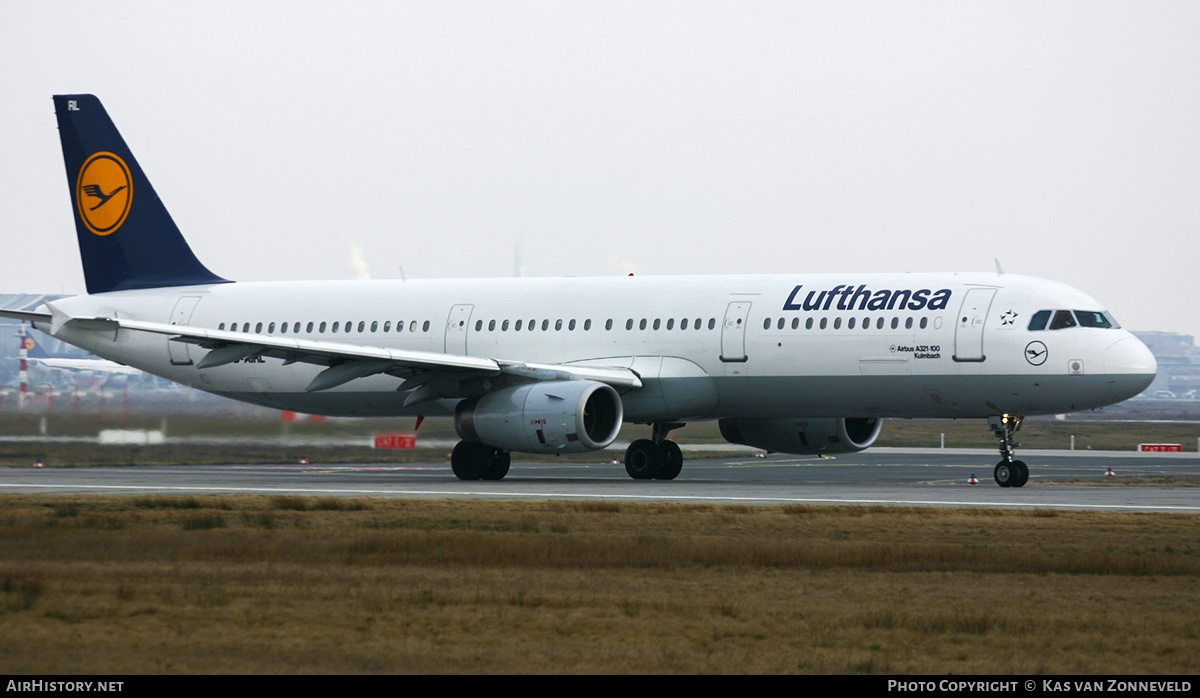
<point x="792" y="363"/>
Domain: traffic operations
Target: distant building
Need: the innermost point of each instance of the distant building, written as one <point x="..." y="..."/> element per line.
<point x="1178" y="366"/>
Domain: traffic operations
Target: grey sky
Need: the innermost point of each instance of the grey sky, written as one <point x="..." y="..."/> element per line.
<point x="659" y="138"/>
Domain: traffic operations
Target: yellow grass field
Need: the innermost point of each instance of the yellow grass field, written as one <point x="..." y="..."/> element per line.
<point x="251" y="584"/>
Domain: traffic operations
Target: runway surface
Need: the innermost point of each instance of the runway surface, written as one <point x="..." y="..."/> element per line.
<point x="897" y="477"/>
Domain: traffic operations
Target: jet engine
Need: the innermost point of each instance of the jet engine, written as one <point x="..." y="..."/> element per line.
<point x="803" y="436"/>
<point x="570" y="416"/>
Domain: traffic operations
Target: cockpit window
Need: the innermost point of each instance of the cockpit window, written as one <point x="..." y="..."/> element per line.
<point x="1093" y="318"/>
<point x="1062" y="320"/>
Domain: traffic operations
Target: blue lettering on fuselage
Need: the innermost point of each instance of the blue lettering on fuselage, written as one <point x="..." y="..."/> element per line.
<point x="843" y="297"/>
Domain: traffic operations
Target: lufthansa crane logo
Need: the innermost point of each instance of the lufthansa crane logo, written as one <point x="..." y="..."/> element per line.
<point x="104" y="193"/>
<point x="1035" y="353"/>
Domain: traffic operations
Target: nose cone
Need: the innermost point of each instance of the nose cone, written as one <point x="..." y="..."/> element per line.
<point x="1130" y="366"/>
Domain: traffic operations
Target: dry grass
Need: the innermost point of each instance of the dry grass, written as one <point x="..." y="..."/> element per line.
<point x="330" y="585"/>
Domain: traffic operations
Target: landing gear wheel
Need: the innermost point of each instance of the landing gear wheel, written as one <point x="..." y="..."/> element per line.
<point x="672" y="461"/>
<point x="498" y="466"/>
<point x="644" y="460"/>
<point x="1006" y="474"/>
<point x="470" y="460"/>
<point x="1022" y="472"/>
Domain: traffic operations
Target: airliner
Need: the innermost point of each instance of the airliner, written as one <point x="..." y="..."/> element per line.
<point x="101" y="368"/>
<point x="792" y="363"/>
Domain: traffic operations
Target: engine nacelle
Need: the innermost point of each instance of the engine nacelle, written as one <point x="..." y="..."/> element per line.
<point x="570" y="416"/>
<point x="804" y="436"/>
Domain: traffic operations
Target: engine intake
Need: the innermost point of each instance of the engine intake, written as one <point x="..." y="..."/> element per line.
<point x="572" y="416"/>
<point x="804" y="436"/>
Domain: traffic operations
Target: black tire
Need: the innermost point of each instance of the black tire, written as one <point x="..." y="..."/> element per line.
<point x="1022" y="473"/>
<point x="672" y="461"/>
<point x="498" y="466"/>
<point x="643" y="460"/>
<point x="1005" y="473"/>
<point x="470" y="460"/>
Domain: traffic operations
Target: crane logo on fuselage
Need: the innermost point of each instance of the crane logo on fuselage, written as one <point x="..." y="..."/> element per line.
<point x="844" y="297"/>
<point x="104" y="193"/>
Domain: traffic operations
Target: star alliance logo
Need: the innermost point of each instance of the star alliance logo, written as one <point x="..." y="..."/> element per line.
<point x="1008" y="318"/>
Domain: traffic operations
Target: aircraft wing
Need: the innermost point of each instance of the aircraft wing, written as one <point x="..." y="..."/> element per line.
<point x="429" y="375"/>
<point x="26" y="315"/>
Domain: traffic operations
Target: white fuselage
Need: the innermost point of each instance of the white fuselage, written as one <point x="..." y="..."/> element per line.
<point x="705" y="347"/>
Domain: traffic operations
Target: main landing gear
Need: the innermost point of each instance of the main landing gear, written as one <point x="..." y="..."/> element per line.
<point x="1008" y="472"/>
<point x="655" y="458"/>
<point x="475" y="461"/>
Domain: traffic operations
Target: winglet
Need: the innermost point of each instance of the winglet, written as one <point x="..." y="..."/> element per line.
<point x="126" y="237"/>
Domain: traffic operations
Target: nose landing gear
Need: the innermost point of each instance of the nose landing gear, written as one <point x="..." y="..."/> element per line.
<point x="1009" y="472"/>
